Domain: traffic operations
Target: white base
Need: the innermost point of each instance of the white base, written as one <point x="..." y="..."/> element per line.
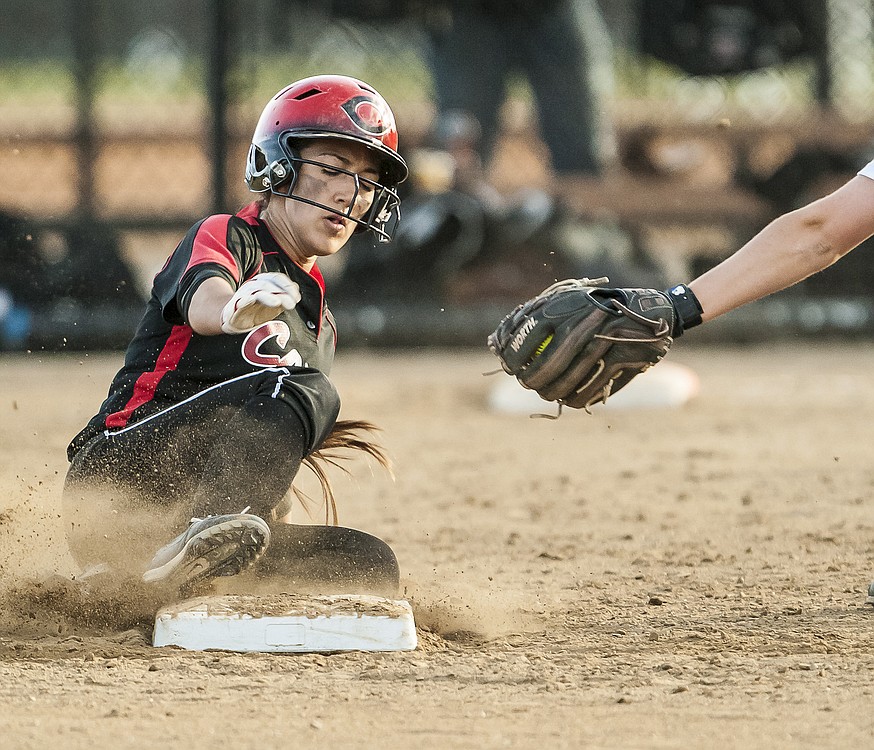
<point x="666" y="385"/>
<point x="287" y="623"/>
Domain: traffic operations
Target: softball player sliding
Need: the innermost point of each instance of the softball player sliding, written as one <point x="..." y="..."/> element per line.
<point x="224" y="391"/>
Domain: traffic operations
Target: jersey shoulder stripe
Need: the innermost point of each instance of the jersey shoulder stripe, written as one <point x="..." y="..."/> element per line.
<point x="210" y="245"/>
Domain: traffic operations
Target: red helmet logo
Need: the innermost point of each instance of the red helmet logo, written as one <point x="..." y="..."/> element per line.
<point x="367" y="115"/>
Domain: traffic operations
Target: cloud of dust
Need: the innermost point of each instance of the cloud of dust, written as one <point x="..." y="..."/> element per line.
<point x="42" y="592"/>
<point x="31" y="533"/>
<point x="454" y="608"/>
<point x="56" y="606"/>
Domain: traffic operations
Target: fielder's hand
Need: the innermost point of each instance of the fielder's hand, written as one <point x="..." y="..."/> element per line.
<point x="258" y="300"/>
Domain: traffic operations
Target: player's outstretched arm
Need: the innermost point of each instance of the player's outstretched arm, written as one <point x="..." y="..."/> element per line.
<point x="576" y="344"/>
<point x="791" y="248"/>
<point x="205" y="310"/>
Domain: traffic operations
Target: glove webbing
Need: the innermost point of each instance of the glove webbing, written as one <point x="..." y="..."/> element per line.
<point x="660" y="327"/>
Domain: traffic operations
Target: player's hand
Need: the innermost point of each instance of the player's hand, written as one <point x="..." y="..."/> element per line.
<point x="258" y="300"/>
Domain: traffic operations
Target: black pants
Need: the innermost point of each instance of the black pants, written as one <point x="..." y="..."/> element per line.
<point x="324" y="559"/>
<point x="548" y="46"/>
<point x="235" y="445"/>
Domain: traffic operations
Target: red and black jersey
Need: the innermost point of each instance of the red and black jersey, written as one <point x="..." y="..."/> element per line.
<point x="166" y="362"/>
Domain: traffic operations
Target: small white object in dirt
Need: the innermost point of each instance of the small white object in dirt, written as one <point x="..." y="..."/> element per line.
<point x="287" y="623"/>
<point x="666" y="385"/>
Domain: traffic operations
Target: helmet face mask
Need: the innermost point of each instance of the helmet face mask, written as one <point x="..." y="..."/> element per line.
<point x="329" y="107"/>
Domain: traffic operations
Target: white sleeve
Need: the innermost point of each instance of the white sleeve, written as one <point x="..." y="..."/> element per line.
<point x="868" y="170"/>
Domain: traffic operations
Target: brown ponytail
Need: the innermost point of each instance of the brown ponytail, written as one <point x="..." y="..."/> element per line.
<point x="347" y="435"/>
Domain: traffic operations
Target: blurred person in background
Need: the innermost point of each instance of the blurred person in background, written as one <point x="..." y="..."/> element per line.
<point x="477" y="46"/>
<point x="466" y="239"/>
<point x="225" y="387"/>
<point x="483" y="239"/>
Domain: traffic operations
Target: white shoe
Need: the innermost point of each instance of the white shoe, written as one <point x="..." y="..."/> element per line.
<point x="210" y="547"/>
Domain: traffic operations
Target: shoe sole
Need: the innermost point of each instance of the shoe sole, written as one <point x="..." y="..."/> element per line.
<point x="225" y="549"/>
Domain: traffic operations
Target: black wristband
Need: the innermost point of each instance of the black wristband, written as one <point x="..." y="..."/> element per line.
<point x="686" y="307"/>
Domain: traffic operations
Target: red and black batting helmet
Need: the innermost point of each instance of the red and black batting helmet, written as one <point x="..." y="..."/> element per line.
<point x="328" y="106"/>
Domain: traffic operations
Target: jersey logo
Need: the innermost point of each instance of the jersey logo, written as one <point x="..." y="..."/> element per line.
<point x="368" y="115"/>
<point x="265" y="346"/>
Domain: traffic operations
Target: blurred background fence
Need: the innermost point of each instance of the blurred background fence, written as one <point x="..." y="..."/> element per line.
<point x="123" y="123"/>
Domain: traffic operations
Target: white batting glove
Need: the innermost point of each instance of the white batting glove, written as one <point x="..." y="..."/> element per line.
<point x="258" y="300"/>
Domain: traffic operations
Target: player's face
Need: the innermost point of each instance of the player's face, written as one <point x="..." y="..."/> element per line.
<point x="325" y="176"/>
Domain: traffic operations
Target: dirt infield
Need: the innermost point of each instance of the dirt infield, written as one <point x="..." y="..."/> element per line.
<point x="683" y="578"/>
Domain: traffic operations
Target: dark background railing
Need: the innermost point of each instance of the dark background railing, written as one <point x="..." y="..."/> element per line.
<point x="123" y="123"/>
